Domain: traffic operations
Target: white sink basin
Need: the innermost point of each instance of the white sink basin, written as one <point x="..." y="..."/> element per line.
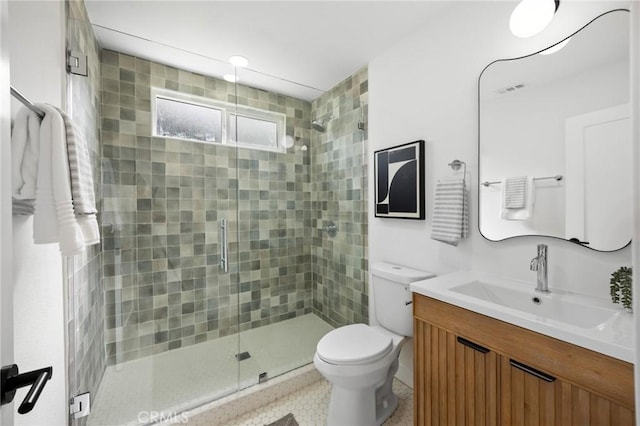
<point x="591" y="322"/>
<point x="577" y="311"/>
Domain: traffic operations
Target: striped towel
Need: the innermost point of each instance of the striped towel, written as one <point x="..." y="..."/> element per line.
<point x="514" y="192"/>
<point x="81" y="174"/>
<point x="82" y="190"/>
<point x="527" y="195"/>
<point x="450" y="221"/>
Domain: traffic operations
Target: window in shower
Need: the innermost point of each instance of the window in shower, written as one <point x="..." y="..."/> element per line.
<point x="182" y="116"/>
<point x="177" y="118"/>
<point x="257" y="129"/>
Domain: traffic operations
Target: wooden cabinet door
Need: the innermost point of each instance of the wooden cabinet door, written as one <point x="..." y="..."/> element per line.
<point x="531" y="397"/>
<point x="456" y="381"/>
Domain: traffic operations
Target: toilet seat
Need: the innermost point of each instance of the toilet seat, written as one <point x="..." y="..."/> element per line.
<point x="353" y="344"/>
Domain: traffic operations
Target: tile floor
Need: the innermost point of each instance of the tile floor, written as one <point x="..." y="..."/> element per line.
<point x="309" y="407"/>
<point x="178" y="380"/>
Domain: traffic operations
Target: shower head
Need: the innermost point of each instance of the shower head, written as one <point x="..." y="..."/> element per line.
<point x="320" y="124"/>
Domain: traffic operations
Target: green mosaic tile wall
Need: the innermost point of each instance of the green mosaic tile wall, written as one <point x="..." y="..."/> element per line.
<point x="339" y="188"/>
<point x="163" y="199"/>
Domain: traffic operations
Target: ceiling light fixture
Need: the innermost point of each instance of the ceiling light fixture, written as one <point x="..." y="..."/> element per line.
<point x="555" y="48"/>
<point x="239" y="61"/>
<point x="231" y="78"/>
<point x="532" y="16"/>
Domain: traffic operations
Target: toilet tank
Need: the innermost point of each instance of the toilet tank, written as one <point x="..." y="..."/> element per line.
<point x="391" y="295"/>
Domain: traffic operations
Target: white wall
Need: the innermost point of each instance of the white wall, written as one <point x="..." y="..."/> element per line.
<point x="37" y="46"/>
<point x="425" y="87"/>
<point x="6" y="260"/>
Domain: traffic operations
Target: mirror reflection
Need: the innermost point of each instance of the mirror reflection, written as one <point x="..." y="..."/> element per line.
<point x="555" y="143"/>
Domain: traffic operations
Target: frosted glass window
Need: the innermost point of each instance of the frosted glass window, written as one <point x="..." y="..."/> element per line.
<point x="185" y="120"/>
<point x="253" y="132"/>
<point x="184" y="116"/>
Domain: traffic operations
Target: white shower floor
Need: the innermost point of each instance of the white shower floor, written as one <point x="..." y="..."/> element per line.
<point x="174" y="381"/>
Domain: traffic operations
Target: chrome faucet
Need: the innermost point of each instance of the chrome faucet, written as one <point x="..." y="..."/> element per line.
<point x="539" y="264"/>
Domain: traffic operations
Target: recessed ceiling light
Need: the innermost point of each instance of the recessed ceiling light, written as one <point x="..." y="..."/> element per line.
<point x="239" y="61"/>
<point x="231" y="78"/>
<point x="532" y="16"/>
<point x="555" y="48"/>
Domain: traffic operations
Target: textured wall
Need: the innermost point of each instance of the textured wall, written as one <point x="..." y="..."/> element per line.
<point x="339" y="194"/>
<point x="83" y="272"/>
<point x="163" y="199"/>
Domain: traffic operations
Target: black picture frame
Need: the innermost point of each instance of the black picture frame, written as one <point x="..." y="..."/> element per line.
<point x="399" y="181"/>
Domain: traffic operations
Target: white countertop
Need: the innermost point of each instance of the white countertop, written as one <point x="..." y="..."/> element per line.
<point x="613" y="337"/>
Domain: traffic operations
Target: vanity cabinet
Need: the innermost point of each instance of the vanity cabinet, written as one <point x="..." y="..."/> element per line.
<point x="474" y="370"/>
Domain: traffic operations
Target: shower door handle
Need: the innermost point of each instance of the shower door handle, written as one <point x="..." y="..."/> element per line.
<point x="224" y="248"/>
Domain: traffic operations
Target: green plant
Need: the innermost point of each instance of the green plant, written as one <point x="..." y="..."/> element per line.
<point x="620" y="287"/>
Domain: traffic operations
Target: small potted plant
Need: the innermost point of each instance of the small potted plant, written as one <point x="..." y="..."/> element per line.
<point x="620" y="288"/>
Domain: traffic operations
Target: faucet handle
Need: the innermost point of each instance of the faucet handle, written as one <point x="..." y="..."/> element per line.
<point x="534" y="264"/>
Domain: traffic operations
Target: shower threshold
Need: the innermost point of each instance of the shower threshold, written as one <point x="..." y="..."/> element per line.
<point x="178" y="380"/>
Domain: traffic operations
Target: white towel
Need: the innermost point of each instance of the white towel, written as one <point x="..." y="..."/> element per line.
<point x="518" y="191"/>
<point x="514" y="192"/>
<point x="54" y="218"/>
<point x="450" y="221"/>
<point x="82" y="190"/>
<point x="25" y="141"/>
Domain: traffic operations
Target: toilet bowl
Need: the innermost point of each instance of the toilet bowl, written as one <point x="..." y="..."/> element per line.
<point x="360" y="360"/>
<point x="357" y="361"/>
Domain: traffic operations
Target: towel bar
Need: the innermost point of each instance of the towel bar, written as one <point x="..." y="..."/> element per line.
<point x="26" y="102"/>
<point x="556" y="177"/>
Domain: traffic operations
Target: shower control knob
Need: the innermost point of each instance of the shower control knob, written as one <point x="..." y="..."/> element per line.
<point x="331" y="229"/>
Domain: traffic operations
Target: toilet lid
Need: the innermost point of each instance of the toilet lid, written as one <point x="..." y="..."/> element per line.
<point x="353" y="344"/>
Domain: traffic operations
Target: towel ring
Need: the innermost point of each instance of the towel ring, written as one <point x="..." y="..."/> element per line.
<point x="456" y="164"/>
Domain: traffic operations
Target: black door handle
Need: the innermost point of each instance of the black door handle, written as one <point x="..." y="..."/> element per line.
<point x="537" y="373"/>
<point x="11" y="381"/>
<point x="473" y="345"/>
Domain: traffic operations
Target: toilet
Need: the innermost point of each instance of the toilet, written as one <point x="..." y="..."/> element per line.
<point x="360" y="360"/>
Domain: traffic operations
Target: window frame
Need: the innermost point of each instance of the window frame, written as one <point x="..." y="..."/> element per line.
<point x="278" y="118"/>
<point x="228" y="112"/>
<point x="191" y="100"/>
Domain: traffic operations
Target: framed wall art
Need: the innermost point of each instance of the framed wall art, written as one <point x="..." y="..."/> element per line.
<point x="399" y="181"/>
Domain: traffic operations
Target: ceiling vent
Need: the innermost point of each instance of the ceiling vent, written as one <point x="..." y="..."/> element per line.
<point x="511" y="89"/>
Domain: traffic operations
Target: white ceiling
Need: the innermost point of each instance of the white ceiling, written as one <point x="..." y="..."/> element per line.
<point x="315" y="44"/>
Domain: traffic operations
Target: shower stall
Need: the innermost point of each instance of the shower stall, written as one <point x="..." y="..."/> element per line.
<point x="226" y="253"/>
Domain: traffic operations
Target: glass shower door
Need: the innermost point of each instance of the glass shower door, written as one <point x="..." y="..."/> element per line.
<point x="153" y="318"/>
<point x="278" y="328"/>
